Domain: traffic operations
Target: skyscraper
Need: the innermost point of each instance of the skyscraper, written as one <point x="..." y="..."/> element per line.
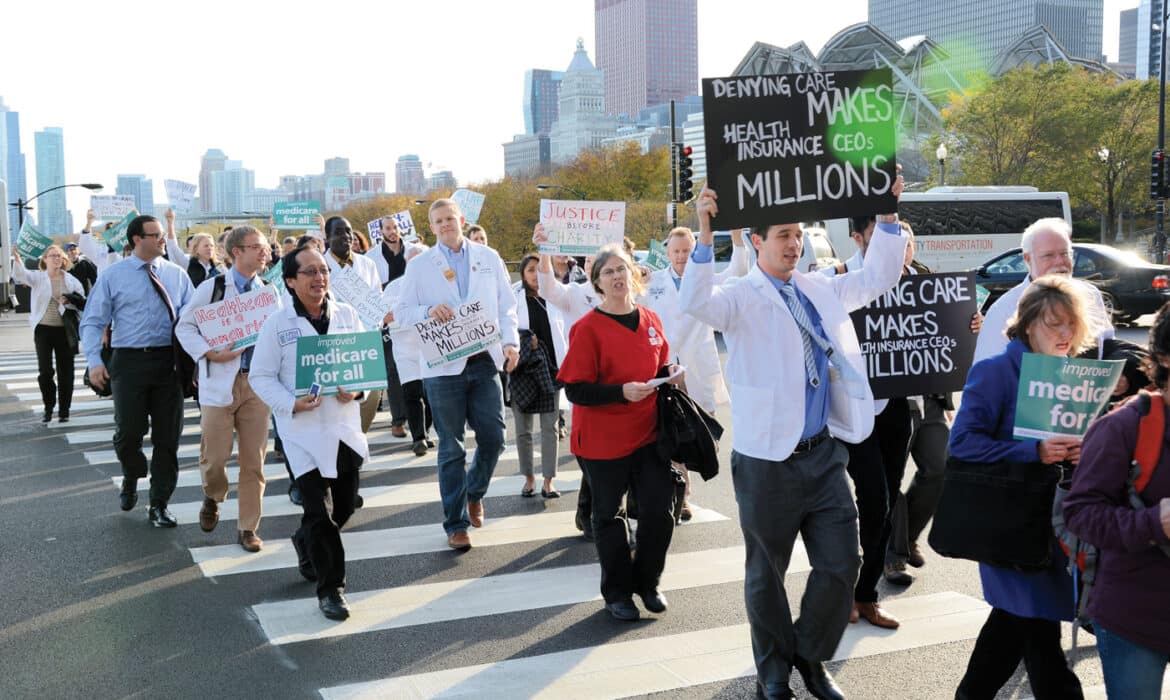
<point x="232" y="188"/>
<point x="648" y="51"/>
<point x="582" y="120"/>
<point x="973" y="33"/>
<point x="12" y="166"/>
<point x="141" y="188"/>
<point x="213" y="161"/>
<point x="1127" y="37"/>
<point x="1149" y="39"/>
<point x="541" y="91"/>
<point x="49" y="145"/>
<point x="408" y="175"/>
<point x="336" y="166"/>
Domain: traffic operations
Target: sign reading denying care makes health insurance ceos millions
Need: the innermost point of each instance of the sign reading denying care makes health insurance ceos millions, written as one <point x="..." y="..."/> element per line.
<point x="352" y="361"/>
<point x="1062" y="395"/>
<point x="296" y="214"/>
<point x="235" y="322"/>
<point x="581" y="228"/>
<point x="800" y="146"/>
<point x="470" y="332"/>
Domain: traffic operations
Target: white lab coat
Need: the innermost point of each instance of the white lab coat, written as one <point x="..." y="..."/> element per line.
<point x="215" y="378"/>
<point x="992" y="341"/>
<point x="41" y="289"/>
<point x="692" y="342"/>
<point x="765" y="369"/>
<point x="426" y="284"/>
<point x="556" y="323"/>
<point x="310" y="438"/>
<point x="375" y="256"/>
<point x="573" y="300"/>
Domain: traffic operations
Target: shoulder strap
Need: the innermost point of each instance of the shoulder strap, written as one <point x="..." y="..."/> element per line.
<point x="1151" y="431"/>
<point x="220" y="286"/>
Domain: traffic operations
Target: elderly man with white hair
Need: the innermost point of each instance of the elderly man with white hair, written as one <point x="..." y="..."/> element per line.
<point x="1047" y="246"/>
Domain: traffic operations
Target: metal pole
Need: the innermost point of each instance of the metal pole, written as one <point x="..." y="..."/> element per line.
<point x="20" y="212"/>
<point x="673" y="172"/>
<point x="1160" y="210"/>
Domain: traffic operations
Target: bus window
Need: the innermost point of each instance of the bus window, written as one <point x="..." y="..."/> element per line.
<point x="976" y="217"/>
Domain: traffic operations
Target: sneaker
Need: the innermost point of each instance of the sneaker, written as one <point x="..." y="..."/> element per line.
<point x="915" y="557"/>
<point x="161" y="517"/>
<point x="896" y="573"/>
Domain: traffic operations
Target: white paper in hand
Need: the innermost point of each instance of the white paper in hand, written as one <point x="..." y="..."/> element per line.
<point x="678" y="370"/>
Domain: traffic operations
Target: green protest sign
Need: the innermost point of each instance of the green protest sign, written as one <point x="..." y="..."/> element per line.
<point x="656" y="258"/>
<point x="31" y="243"/>
<point x="350" y="360"/>
<point x="116" y="237"/>
<point x="296" y="214"/>
<point x="275" y="274"/>
<point x="981" y="294"/>
<point x="1061" y="395"/>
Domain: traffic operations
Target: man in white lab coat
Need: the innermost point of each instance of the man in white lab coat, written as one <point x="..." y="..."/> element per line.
<point x="795" y="371"/>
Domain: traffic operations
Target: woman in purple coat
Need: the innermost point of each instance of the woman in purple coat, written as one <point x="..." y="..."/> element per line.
<point x="1130" y="602"/>
<point x="1027" y="608"/>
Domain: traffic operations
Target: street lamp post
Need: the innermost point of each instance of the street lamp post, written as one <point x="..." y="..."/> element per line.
<point x="22" y="204"/>
<point x="559" y="188"/>
<point x="941" y="154"/>
<point x="1159" y="243"/>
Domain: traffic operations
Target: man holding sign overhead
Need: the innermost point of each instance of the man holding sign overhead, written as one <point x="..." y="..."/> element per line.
<point x="319" y="421"/>
<point x="439" y="291"/>
<point x="228" y="404"/>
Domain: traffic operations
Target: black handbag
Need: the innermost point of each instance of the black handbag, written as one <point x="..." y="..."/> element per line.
<point x="997" y="513"/>
<point x="107" y="389"/>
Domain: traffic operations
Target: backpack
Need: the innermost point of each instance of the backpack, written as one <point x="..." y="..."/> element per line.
<point x="185" y="365"/>
<point x="1082" y="556"/>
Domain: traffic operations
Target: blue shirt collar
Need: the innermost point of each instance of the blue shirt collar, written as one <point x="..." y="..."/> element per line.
<point x="240" y="280"/>
<point x="449" y="251"/>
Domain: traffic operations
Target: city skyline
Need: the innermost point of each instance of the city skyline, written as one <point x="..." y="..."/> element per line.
<point x="452" y="100"/>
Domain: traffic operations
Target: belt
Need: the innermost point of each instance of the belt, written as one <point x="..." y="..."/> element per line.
<point x="154" y="349"/>
<point x="808" y="445"/>
<point x="485" y="355"/>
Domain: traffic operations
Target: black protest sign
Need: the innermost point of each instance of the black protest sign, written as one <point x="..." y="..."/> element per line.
<point x="800" y="146"/>
<point x="916" y="338"/>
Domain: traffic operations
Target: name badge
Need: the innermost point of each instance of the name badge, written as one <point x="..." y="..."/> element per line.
<point x="655" y="339"/>
<point x="449" y="274"/>
<point x="288" y="337"/>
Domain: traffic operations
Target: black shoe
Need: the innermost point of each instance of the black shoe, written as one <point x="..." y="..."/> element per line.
<point x="915" y="557"/>
<point x="129" y="495"/>
<point x="654" y="601"/>
<point x="896" y="573"/>
<point x="334" y="606"/>
<point x="817" y="680"/>
<point x="553" y="493"/>
<point x="419" y="447"/>
<point x="304" y="566"/>
<point x="430" y="443"/>
<point x="294" y="495"/>
<point x="623" y="610"/>
<point x="48" y="417"/>
<point x="772" y="693"/>
<point x="63" y="417"/>
<point x="161" y="517"/>
<point x="358" y="501"/>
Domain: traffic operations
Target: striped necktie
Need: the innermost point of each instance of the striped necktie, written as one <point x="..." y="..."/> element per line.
<point x="808" y="334"/>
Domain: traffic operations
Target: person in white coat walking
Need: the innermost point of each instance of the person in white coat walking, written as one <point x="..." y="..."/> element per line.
<point x="408" y="362"/>
<point x="322" y="435"/>
<point x="797" y="381"/>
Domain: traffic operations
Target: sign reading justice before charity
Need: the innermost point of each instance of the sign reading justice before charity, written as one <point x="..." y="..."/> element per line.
<point x="800" y="146"/>
<point x="581" y="228"/>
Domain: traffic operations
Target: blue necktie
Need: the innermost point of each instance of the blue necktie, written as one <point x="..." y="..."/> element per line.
<point x="808" y="334"/>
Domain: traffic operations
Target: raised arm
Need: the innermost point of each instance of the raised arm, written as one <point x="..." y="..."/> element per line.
<point x="698" y="295"/>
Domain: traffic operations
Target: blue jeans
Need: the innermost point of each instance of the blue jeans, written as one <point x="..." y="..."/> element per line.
<point x="472" y="397"/>
<point x="1132" y="671"/>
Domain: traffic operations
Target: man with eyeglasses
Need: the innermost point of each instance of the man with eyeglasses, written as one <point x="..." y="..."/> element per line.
<point x="1047" y="246"/>
<point x="139" y="298"/>
<point x="322" y="435"/>
<point x="228" y="405"/>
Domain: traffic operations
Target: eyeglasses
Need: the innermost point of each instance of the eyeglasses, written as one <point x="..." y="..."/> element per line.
<point x="53" y="256"/>
<point x="314" y="272"/>
<point x="612" y="271"/>
<point x="257" y="246"/>
<point x="151" y="235"/>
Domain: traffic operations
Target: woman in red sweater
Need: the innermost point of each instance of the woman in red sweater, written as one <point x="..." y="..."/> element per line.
<point x="613" y="352"/>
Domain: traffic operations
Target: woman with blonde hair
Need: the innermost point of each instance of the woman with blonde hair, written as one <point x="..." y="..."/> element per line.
<point x="56" y="299"/>
<point x="202" y="263"/>
<point x="1027" y="607"/>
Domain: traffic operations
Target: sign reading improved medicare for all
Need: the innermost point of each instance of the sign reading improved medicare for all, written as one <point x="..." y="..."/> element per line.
<point x="116" y="237"/>
<point x="352" y="361"/>
<point x="296" y="214"/>
<point x="800" y="146"/>
<point x="656" y="257"/>
<point x="581" y="228"/>
<point x="31" y="243"/>
<point x="1060" y="396"/>
<point x="236" y="321"/>
<point x="470" y="332"/>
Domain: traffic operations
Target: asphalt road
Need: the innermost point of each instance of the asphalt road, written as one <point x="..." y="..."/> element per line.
<point x="98" y="604"/>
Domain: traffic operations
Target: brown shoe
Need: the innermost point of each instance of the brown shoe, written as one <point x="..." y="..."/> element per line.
<point x="249" y="541"/>
<point x="854" y="616"/>
<point x="874" y="615"/>
<point x="459" y="541"/>
<point x="208" y="515"/>
<point x="398" y="431"/>
<point x="475" y="512"/>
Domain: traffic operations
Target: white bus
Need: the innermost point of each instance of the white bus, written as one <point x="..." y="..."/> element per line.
<point x="960" y="228"/>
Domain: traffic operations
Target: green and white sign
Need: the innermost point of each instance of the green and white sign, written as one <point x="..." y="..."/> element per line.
<point x="981" y="294"/>
<point x="470" y="332"/>
<point x="31" y="243"/>
<point x="1061" y="395"/>
<point x="275" y="275"/>
<point x="296" y="214"/>
<point x="656" y="258"/>
<point x="116" y="237"/>
<point x="352" y="361"/>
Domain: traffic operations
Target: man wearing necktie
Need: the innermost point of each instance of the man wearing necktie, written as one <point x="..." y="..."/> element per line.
<point x="139" y="298"/>
<point x="798" y="385"/>
<point x="227" y="403"/>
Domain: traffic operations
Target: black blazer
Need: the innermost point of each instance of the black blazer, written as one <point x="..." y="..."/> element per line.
<point x="687" y="433"/>
<point x="196" y="272"/>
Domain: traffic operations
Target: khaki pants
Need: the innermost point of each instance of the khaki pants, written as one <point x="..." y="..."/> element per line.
<point x="369" y="408"/>
<point x="247" y="417"/>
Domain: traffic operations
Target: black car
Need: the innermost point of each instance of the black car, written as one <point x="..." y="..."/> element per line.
<point x="1130" y="286"/>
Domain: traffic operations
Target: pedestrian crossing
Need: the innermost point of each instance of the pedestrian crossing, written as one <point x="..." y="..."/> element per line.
<point x="527" y="560"/>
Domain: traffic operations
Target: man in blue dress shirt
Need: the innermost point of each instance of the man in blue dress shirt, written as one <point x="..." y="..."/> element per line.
<point x="139" y="298"/>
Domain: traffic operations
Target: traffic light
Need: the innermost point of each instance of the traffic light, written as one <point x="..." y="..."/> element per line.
<point x="1158" y="175"/>
<point x="686" y="186"/>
